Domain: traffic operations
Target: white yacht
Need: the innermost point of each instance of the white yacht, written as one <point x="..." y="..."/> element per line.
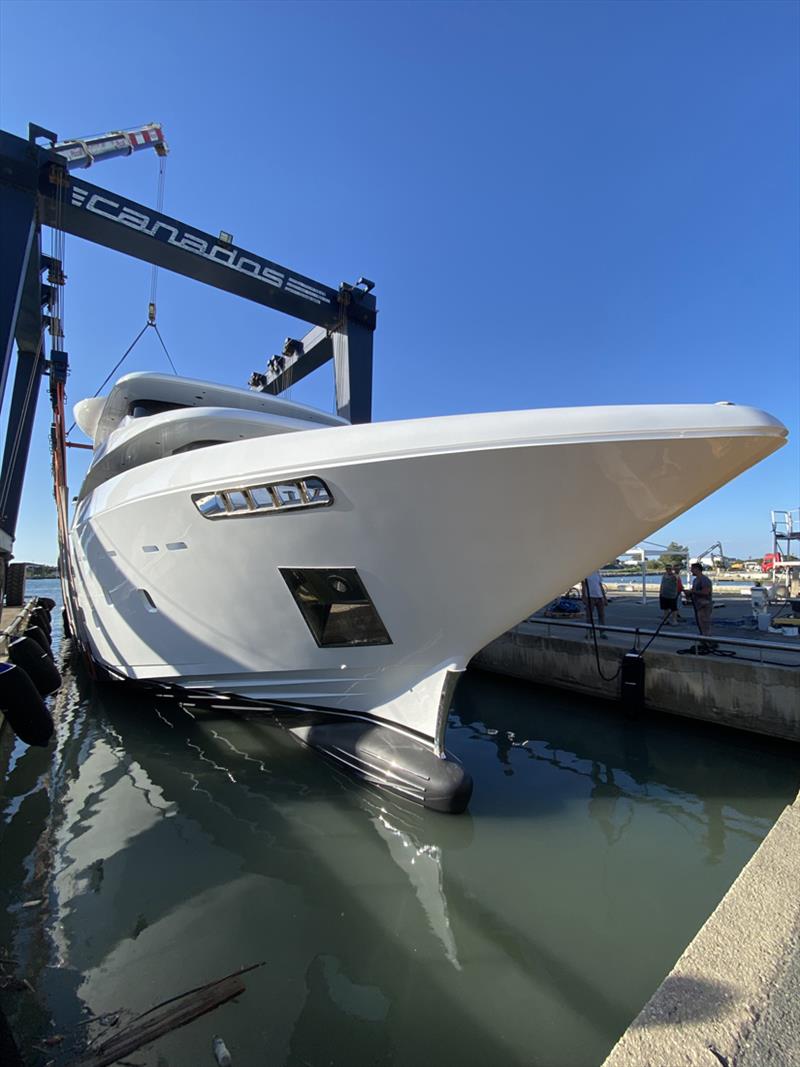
<point x="237" y="545"/>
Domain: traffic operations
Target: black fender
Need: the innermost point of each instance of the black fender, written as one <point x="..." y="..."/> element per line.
<point x="24" y="709"/>
<point x="37" y="634"/>
<point x="41" y="618"/>
<point x="37" y="664"/>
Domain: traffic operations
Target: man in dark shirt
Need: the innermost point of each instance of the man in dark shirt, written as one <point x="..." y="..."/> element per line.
<point x="702" y="591"/>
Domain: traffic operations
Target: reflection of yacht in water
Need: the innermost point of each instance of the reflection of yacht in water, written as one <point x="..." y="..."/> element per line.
<point x="230" y="542"/>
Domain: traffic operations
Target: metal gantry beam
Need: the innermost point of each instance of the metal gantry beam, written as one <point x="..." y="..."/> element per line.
<point x="114" y="221"/>
<point x="18" y="225"/>
<point x="298" y="359"/>
<point x="37" y="188"/>
<point x="27" y="382"/>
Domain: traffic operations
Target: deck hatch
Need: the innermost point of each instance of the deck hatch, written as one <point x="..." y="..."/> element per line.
<point x="291" y="495"/>
<point x="336" y="606"/>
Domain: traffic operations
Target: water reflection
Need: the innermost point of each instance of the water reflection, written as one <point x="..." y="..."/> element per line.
<point x="172" y="846"/>
<point x="351" y="1015"/>
<point x="604" y="802"/>
<point x="423" y="866"/>
<point x="682" y="782"/>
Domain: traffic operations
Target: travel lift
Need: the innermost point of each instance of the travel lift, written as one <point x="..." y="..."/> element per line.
<point x="38" y="189"/>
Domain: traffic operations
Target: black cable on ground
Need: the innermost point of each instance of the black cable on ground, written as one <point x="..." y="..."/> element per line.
<point x="639" y="652"/>
<point x="616" y="673"/>
<point x="655" y="635"/>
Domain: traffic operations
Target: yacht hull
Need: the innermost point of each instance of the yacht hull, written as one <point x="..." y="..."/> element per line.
<point x="457" y="529"/>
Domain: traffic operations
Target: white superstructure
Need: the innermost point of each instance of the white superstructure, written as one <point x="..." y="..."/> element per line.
<point x="228" y="541"/>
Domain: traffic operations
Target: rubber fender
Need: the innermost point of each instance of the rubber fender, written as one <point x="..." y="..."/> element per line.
<point x="39" y="617"/>
<point x="65" y="627"/>
<point x="15" y="585"/>
<point x="37" y="634"/>
<point x="24" y="709"/>
<point x="37" y="664"/>
<point x="45" y="602"/>
<point x="632" y="683"/>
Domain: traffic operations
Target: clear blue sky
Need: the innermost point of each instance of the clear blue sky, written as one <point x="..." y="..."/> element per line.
<point x="561" y="203"/>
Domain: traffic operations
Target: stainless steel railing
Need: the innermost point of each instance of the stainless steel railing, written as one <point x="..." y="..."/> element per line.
<point x="791" y="646"/>
<point x="15" y="627"/>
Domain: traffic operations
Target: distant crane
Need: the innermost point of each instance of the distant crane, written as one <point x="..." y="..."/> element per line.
<point x="709" y="552"/>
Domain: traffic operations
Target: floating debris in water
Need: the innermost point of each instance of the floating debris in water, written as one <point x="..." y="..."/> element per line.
<point x="221" y="1053"/>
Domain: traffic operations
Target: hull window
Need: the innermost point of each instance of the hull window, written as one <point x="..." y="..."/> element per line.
<point x="238" y="500"/>
<point x="336" y="606"/>
<point x="262" y="498"/>
<point x="193" y="445"/>
<point x="141" y="409"/>
<point x="250" y="499"/>
<point x="211" y="505"/>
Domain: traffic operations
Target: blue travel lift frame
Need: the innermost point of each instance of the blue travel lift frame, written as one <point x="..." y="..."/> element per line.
<point x="37" y="189"/>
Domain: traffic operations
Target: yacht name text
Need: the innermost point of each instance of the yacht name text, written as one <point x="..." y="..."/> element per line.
<point x="226" y="255"/>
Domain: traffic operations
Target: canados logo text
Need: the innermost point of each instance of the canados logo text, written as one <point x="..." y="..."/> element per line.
<point x="225" y="255"/>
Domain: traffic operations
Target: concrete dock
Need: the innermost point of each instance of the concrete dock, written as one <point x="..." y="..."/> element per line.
<point x="750" y="682"/>
<point x="732" y="998"/>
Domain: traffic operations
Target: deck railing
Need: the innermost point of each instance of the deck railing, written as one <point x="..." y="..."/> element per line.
<point x="791" y="646"/>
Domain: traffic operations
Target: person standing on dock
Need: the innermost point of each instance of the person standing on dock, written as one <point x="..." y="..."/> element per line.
<point x="668" y="596"/>
<point x="676" y="570"/>
<point x="594" y="596"/>
<point x="702" y="591"/>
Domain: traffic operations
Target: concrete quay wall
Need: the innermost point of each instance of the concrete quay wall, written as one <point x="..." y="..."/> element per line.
<point x="732" y="998"/>
<point x="746" y="695"/>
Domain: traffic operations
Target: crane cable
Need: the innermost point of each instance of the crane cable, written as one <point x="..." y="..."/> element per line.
<point x="151" y="309"/>
<point x="116" y="367"/>
<point x="162" y="177"/>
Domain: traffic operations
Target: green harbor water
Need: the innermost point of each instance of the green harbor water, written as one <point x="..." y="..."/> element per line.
<point x="147" y="852"/>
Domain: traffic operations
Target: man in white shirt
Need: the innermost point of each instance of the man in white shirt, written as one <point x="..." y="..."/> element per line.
<point x="594" y="596"/>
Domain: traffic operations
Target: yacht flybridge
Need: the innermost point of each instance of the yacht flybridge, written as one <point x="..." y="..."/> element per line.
<point x="231" y="543"/>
